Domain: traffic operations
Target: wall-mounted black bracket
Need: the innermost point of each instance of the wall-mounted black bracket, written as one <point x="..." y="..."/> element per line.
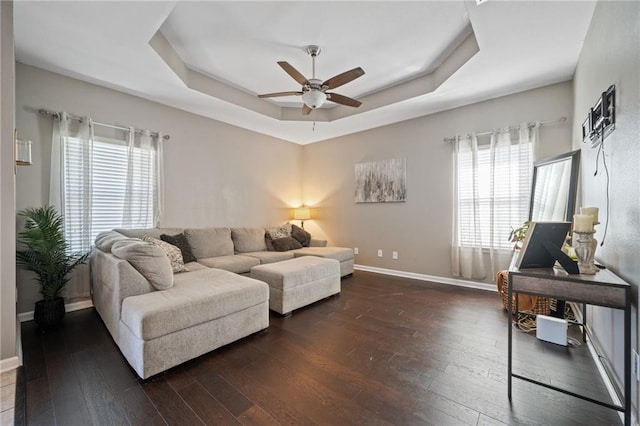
<point x="601" y="119"/>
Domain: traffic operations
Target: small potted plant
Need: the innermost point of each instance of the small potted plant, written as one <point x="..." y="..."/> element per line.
<point x="46" y="254"/>
<point x="518" y="235"/>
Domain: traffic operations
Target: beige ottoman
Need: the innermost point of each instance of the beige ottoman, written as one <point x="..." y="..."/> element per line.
<point x="342" y="255"/>
<point x="298" y="282"/>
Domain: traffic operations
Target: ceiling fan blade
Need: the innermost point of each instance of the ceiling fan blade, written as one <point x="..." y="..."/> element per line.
<point x="276" y="94"/>
<point x="343" y="100"/>
<point x="343" y="78"/>
<point x="306" y="110"/>
<point x="294" y="73"/>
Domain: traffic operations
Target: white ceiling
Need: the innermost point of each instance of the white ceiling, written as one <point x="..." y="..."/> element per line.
<point x="213" y="58"/>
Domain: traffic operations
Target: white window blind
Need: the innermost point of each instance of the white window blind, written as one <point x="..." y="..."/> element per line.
<point x="494" y="195"/>
<point x="95" y="189"/>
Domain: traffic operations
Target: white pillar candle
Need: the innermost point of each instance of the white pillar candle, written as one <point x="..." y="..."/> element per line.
<point x="582" y="222"/>
<point x="591" y="211"/>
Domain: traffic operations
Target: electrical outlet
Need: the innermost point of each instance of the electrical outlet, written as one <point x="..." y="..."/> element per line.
<point x="636" y="363"/>
<point x="379" y="253"/>
<point x="394" y="255"/>
<point x="355" y="250"/>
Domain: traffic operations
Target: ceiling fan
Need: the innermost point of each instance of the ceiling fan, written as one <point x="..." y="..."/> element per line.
<point x="314" y="92"/>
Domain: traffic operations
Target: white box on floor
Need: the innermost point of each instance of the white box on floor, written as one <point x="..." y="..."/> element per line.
<point x="552" y="329"/>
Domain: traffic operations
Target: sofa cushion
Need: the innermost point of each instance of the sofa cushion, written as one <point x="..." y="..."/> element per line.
<point x="248" y="239"/>
<point x="302" y="236"/>
<point x="150" y="232"/>
<point x="280" y="231"/>
<point x="209" y="242"/>
<point x="148" y="259"/>
<point x="286" y="244"/>
<point x="173" y="253"/>
<point x="338" y="253"/>
<point x="270" y="256"/>
<point x="105" y="240"/>
<point x="180" y="241"/>
<point x="237" y="263"/>
<point x="197" y="297"/>
<point x="296" y="272"/>
<point x="194" y="266"/>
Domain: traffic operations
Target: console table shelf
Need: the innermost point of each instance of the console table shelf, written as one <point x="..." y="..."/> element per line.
<point x="602" y="289"/>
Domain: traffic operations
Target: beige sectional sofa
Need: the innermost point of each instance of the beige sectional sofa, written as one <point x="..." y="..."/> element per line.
<point x="160" y="319"/>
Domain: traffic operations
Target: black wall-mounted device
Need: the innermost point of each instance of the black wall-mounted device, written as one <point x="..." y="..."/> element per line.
<point x="601" y="119"/>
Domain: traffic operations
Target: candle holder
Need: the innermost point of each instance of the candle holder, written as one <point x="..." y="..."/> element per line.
<point x="585" y="246"/>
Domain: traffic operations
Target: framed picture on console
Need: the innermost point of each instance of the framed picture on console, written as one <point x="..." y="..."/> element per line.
<point x="543" y="246"/>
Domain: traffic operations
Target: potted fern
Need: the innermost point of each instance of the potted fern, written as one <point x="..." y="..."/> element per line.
<point x="46" y="254"/>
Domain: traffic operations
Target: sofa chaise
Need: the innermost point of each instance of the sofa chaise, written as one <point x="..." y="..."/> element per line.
<point x="160" y="316"/>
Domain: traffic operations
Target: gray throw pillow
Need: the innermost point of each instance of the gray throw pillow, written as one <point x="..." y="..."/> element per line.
<point x="280" y="231"/>
<point x="105" y="240"/>
<point x="172" y="252"/>
<point x="268" y="241"/>
<point x="148" y="259"/>
<point x="286" y="244"/>
<point x="301" y="235"/>
<point x="180" y="241"/>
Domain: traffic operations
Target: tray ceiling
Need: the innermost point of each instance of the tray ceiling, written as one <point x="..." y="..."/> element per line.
<point x="213" y="58"/>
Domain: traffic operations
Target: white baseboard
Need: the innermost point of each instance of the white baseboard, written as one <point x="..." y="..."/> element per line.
<point x="9" y="364"/>
<point x="69" y="307"/>
<point x="431" y="278"/>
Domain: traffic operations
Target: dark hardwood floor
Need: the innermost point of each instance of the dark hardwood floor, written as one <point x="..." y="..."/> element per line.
<point x="386" y="351"/>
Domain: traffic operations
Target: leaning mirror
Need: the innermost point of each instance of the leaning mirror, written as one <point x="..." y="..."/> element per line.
<point x="553" y="190"/>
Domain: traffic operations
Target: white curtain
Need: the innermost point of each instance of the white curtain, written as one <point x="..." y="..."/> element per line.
<point x="466" y="260"/>
<point x="491" y="195"/>
<point x="77" y="156"/>
<point x="72" y="140"/>
<point x="158" y="212"/>
<point x="79" y="149"/>
<point x="143" y="191"/>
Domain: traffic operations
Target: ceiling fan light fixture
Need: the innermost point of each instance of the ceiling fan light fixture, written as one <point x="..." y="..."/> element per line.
<point x="314" y="98"/>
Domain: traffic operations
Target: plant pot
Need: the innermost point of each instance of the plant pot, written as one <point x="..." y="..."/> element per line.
<point x="49" y="313"/>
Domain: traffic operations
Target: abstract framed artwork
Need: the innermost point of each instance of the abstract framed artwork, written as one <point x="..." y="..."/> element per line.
<point x="381" y="181"/>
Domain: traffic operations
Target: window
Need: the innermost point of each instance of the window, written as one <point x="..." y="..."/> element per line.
<point x="492" y="193"/>
<point x="104" y="190"/>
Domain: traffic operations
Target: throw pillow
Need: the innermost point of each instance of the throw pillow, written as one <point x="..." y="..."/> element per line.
<point x="280" y="231"/>
<point x="172" y="252"/>
<point x="180" y="241"/>
<point x="148" y="259"/>
<point x="286" y="244"/>
<point x="104" y="240"/>
<point x="301" y="235"/>
<point x="268" y="241"/>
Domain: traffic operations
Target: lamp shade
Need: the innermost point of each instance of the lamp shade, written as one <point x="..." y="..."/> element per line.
<point x="302" y="213"/>
<point x="314" y="98"/>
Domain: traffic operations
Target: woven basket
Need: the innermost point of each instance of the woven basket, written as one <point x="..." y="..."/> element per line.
<point x="530" y="304"/>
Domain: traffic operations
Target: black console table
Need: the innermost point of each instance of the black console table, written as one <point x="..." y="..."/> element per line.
<point x="602" y="289"/>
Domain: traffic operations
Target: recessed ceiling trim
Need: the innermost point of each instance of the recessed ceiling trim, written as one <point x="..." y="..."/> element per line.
<point x="407" y="90"/>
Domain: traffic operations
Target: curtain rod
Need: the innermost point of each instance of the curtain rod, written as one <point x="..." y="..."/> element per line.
<point x="511" y="128"/>
<point x="57" y="115"/>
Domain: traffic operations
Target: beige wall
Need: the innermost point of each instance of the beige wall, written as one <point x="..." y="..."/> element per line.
<point x="611" y="55"/>
<point x="215" y="174"/>
<point x="420" y="228"/>
<point x="7" y="190"/>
